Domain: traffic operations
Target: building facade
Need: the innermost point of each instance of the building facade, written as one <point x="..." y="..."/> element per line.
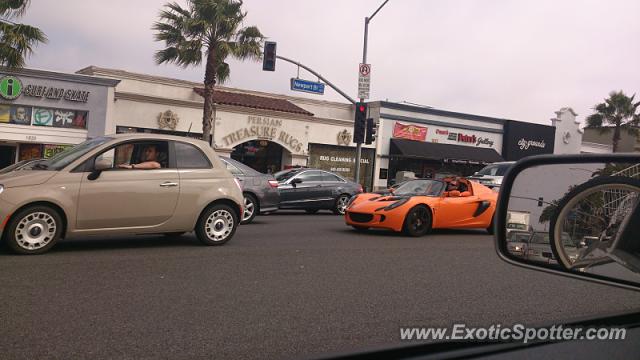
<point x="44" y="112"/>
<point x="523" y="139"/>
<point x="268" y="132"/>
<point x="431" y="143"/>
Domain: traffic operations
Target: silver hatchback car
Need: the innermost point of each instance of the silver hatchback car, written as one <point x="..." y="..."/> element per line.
<point x="120" y="185"/>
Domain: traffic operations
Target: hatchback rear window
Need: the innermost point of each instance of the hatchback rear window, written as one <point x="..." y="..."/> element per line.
<point x="190" y="157"/>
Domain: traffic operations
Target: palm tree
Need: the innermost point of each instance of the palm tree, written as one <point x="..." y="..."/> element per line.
<point x="211" y="29"/>
<point x="618" y="111"/>
<point x="16" y="40"/>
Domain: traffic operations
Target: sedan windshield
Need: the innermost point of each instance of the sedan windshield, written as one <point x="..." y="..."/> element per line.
<point x="68" y="156"/>
<point x="420" y="187"/>
<point x="495" y="170"/>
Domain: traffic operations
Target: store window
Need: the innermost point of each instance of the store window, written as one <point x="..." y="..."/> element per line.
<point x="30" y="151"/>
<point x="27" y="115"/>
<point x="60" y="118"/>
<point x="15" y="114"/>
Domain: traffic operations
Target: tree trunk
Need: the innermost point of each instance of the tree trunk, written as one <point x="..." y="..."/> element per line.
<point x="209" y="83"/>
<point x="616" y="137"/>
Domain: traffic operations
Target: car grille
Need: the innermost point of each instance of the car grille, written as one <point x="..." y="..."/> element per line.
<point x="358" y="217"/>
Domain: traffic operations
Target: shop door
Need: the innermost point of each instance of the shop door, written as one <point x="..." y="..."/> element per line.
<point x="261" y="155"/>
<point x="7" y="155"/>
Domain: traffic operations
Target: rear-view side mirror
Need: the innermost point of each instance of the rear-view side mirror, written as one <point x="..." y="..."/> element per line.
<point x="296" y="181"/>
<point x="98" y="167"/>
<point x="581" y="215"/>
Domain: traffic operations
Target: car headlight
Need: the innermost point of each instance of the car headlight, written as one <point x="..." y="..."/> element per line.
<point x="353" y="198"/>
<point x="1" y="188"/>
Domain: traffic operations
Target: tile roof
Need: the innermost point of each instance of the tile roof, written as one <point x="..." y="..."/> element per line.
<point x="254" y="101"/>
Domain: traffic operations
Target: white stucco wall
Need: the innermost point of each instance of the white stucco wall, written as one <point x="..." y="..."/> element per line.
<point x="568" y="132"/>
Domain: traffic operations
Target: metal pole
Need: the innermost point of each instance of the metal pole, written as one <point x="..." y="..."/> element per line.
<point x="364" y="61"/>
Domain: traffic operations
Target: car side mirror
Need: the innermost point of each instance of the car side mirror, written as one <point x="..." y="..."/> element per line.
<point x="584" y="218"/>
<point x="296" y="181"/>
<point x="98" y="167"/>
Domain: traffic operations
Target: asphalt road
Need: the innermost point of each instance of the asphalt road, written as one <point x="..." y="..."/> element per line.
<point x="287" y="286"/>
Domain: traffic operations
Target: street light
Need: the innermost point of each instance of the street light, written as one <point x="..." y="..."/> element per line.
<point x="364" y="61"/>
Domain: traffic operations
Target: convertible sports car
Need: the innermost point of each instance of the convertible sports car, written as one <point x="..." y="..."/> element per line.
<point x="417" y="206"/>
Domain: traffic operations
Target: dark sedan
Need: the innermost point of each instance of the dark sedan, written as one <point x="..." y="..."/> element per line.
<point x="260" y="190"/>
<point x="313" y="189"/>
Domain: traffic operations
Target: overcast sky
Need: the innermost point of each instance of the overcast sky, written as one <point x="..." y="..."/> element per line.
<point x="512" y="59"/>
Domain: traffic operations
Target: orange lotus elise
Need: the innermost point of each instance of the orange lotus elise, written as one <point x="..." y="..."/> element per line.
<point x="417" y="206"/>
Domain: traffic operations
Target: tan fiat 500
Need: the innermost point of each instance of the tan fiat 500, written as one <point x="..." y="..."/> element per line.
<point x="120" y="185"/>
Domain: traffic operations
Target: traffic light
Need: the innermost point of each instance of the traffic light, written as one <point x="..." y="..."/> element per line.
<point x="360" y="123"/>
<point x="371" y="131"/>
<point x="269" y="56"/>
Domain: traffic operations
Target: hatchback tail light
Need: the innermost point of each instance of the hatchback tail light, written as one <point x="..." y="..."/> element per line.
<point x="273" y="183"/>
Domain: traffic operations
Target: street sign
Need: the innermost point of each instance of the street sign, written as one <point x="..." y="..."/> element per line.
<point x="364" y="80"/>
<point x="307" y="86"/>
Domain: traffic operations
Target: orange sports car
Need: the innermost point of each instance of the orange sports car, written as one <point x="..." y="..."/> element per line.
<point x="418" y="206"/>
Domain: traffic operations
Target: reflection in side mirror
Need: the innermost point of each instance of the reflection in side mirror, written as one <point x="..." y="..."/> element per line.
<point x="582" y="218"/>
<point x="101" y="165"/>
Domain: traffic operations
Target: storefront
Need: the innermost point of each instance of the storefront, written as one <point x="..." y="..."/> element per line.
<point x="341" y="160"/>
<point x="268" y="132"/>
<point x="526" y="139"/>
<point x="430" y="143"/>
<point x="43" y="112"/>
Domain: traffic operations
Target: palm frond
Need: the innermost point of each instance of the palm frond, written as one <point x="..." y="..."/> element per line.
<point x="595" y="120"/>
<point x="13" y="8"/>
<point x="17" y="42"/>
<point x="248" y="44"/>
<point x="222" y="72"/>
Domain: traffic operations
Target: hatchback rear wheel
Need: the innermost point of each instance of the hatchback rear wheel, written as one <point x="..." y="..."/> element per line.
<point x="34" y="230"/>
<point x="217" y="224"/>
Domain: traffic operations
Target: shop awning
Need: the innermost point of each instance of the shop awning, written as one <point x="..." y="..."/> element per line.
<point x="401" y="148"/>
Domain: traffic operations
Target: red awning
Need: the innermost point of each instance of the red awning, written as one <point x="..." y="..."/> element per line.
<point x="254" y="101"/>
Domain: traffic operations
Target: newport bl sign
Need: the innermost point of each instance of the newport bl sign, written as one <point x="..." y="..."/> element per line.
<point x="307" y="86"/>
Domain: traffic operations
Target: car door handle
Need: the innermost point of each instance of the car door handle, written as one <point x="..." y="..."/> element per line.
<point x="169" y="184"/>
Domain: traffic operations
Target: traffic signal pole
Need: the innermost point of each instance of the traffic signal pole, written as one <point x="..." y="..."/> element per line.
<point x="364" y="61"/>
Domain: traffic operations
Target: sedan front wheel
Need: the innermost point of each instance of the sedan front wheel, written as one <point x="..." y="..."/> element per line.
<point x="341" y="204"/>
